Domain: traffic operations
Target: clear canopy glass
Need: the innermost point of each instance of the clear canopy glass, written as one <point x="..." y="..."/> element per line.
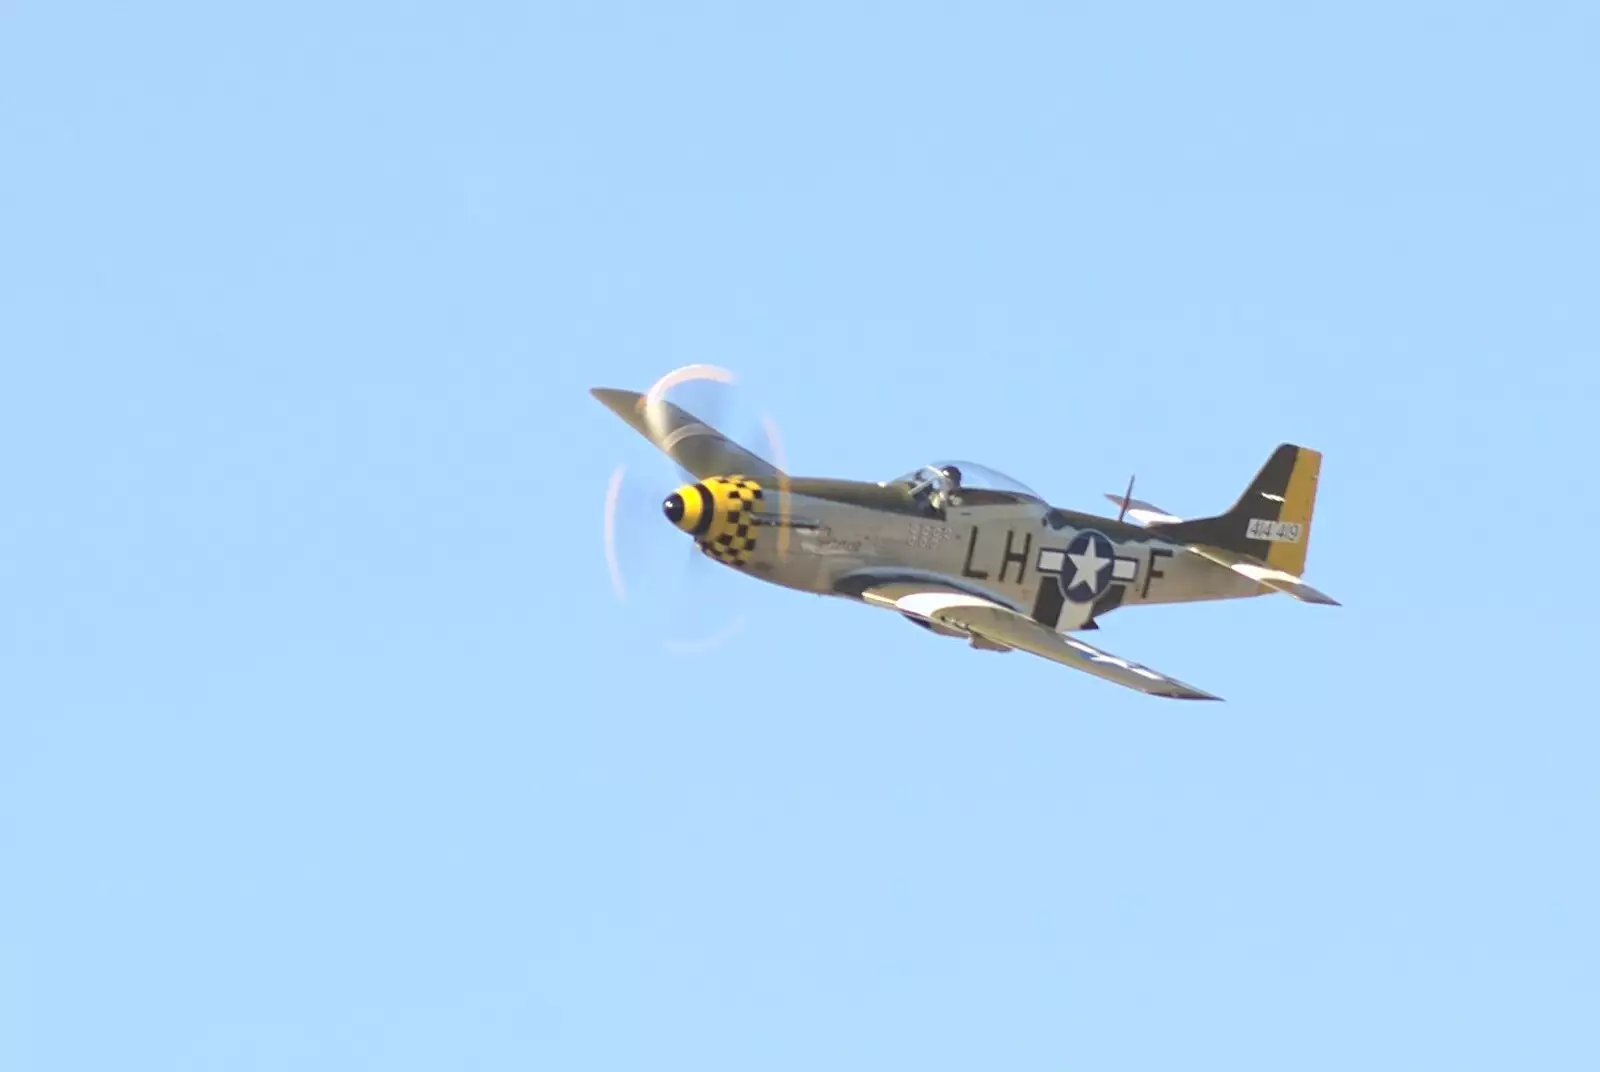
<point x="958" y="474"/>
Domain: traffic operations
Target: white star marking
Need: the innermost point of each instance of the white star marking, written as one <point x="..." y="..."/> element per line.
<point x="1088" y="567"/>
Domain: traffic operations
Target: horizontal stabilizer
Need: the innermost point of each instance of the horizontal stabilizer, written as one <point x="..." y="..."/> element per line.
<point x="1141" y="512"/>
<point x="1264" y="575"/>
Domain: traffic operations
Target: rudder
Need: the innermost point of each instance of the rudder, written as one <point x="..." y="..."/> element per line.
<point x="1271" y="521"/>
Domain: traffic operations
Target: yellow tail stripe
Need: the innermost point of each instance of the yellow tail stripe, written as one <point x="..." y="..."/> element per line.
<point x="1299" y="499"/>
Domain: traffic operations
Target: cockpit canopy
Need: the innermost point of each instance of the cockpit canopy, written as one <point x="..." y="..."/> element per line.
<point x="965" y="479"/>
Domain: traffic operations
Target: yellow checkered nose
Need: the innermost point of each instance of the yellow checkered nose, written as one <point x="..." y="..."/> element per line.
<point x="719" y="513"/>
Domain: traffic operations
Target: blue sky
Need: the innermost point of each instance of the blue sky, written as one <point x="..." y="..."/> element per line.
<point x="324" y="744"/>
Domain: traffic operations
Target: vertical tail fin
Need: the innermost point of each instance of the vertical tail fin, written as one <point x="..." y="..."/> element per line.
<point x="1271" y="521"/>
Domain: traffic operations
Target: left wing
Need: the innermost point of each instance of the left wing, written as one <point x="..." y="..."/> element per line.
<point x="690" y="442"/>
<point x="983" y="619"/>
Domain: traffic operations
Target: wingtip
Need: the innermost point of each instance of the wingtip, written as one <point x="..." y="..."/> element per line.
<point x="1188" y="692"/>
<point x="616" y="399"/>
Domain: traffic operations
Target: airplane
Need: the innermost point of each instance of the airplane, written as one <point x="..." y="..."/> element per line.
<point x="966" y="552"/>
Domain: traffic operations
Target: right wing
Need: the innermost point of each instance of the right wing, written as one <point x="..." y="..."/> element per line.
<point x="986" y="620"/>
<point x="690" y="442"/>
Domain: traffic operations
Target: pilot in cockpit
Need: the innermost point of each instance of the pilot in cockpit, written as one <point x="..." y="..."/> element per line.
<point x="935" y="487"/>
<point x="949" y="494"/>
<point x="943" y="488"/>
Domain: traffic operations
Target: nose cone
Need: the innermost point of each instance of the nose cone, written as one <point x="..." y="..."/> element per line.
<point x="689" y="508"/>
